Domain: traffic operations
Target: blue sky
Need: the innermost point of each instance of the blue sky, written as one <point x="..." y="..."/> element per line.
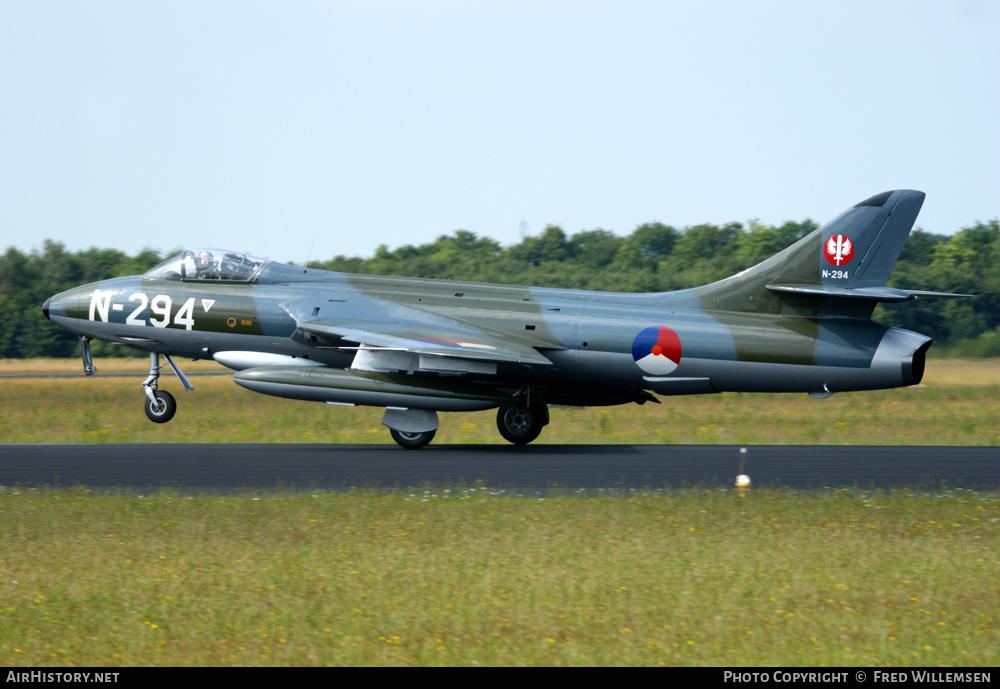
<point x="268" y="127"/>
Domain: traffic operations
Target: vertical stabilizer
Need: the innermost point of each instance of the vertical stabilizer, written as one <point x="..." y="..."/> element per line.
<point x="860" y="247"/>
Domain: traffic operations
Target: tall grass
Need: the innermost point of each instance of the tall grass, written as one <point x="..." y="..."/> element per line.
<point x="468" y="576"/>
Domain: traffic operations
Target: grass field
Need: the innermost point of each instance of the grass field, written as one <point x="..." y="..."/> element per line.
<point x="469" y="575"/>
<point x="464" y="576"/>
<point x="958" y="404"/>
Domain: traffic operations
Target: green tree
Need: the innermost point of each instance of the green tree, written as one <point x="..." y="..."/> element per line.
<point x="594" y="249"/>
<point x="550" y="246"/>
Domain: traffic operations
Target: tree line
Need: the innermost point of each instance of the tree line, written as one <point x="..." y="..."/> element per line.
<point x="654" y="257"/>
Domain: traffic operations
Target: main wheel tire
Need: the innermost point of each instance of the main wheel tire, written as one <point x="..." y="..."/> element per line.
<point x="411" y="441"/>
<point x="519" y="425"/>
<point x="164" y="411"/>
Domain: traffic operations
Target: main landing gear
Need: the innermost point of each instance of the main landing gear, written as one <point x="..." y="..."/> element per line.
<point x="519" y="423"/>
<point x="522" y="423"/>
<point x="160" y="404"/>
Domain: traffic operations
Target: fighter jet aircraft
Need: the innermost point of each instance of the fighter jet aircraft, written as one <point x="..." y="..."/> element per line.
<point x="798" y="322"/>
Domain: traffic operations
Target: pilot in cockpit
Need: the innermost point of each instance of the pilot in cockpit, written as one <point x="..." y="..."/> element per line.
<point x="204" y="264"/>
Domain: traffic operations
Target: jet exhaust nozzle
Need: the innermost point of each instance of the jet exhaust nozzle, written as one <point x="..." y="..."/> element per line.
<point x="901" y="355"/>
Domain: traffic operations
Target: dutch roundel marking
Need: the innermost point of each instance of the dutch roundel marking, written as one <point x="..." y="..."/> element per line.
<point x="838" y="250"/>
<point x="657" y="350"/>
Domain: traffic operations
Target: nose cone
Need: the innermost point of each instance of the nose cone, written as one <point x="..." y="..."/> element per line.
<point x="55" y="307"/>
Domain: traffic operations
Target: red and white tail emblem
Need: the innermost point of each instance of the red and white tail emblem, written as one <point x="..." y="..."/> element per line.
<point x="839" y="250"/>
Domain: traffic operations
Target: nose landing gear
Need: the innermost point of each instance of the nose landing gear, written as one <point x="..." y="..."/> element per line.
<point x="161" y="407"/>
<point x="88" y="361"/>
<point x="160" y="404"/>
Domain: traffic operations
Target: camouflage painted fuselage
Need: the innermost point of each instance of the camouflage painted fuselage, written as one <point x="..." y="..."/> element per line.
<point x="798" y="322"/>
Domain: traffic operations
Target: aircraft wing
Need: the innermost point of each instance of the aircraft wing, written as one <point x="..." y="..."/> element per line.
<point x="457" y="340"/>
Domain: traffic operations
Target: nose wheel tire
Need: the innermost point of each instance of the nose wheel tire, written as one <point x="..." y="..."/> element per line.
<point x="411" y="441"/>
<point x="165" y="408"/>
<point x="519" y="425"/>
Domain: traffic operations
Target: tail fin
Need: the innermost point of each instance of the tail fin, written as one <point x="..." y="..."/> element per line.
<point x="840" y="269"/>
<point x="860" y="246"/>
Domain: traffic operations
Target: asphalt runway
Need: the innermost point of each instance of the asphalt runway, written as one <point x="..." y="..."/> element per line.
<point x="535" y="468"/>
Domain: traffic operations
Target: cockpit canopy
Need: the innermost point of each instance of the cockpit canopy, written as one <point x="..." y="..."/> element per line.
<point x="208" y="264"/>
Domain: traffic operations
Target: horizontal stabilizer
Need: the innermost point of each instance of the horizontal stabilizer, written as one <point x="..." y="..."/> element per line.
<point x="924" y="294"/>
<point x="883" y="294"/>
